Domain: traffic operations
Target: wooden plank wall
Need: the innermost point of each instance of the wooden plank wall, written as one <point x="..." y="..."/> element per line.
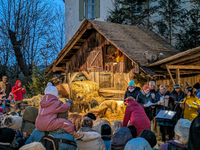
<point x="168" y="83"/>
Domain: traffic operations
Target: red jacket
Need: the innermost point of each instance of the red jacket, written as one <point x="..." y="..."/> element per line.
<point x="18" y="94"/>
<point x="137" y="116"/>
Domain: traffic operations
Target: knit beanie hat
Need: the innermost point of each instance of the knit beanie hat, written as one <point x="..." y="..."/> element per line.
<point x="182" y="129"/>
<point x="50" y="89"/>
<point x="196" y="86"/>
<point x="105" y="129"/>
<point x="30" y="114"/>
<point x="152" y="83"/>
<point x="7" y="135"/>
<point x="133" y="130"/>
<point x="1" y="110"/>
<point x="145" y="87"/>
<point x="33" y="146"/>
<point x="13" y="122"/>
<point x="149" y="136"/>
<point x="131" y="83"/>
<point x="176" y="86"/>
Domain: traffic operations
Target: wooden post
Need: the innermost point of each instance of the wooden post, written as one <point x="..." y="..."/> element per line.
<point x="112" y="79"/>
<point x="170" y="75"/>
<point x="178" y="76"/>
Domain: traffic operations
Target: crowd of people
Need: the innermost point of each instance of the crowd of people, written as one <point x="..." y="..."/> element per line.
<point x="49" y="128"/>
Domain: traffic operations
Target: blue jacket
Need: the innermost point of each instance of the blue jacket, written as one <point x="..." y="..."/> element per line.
<point x="37" y="135"/>
<point x="106" y="139"/>
<point x="198" y="93"/>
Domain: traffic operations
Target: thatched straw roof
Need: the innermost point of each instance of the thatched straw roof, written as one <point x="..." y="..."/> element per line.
<point x="131" y="40"/>
<point x="134" y="41"/>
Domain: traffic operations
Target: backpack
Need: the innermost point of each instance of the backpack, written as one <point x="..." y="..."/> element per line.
<point x="52" y="143"/>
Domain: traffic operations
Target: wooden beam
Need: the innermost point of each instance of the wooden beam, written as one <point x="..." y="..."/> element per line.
<point x="111" y="91"/>
<point x="190" y="62"/>
<point x="86" y="75"/>
<point x="76" y="47"/>
<point x="170" y="75"/>
<point x="183" y="67"/>
<point x="64" y="60"/>
<point x="184" y="59"/>
<point x="71" y="44"/>
<point x="82" y="40"/>
<point x="62" y="69"/>
<point x="178" y="80"/>
<point x="122" y="79"/>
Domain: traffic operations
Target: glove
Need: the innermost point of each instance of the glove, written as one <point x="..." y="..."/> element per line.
<point x="69" y="102"/>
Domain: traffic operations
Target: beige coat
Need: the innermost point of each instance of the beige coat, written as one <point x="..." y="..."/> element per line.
<point x="91" y="141"/>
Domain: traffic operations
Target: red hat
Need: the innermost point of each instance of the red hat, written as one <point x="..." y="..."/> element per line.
<point x="129" y="99"/>
<point x="1" y="110"/>
<point x="145" y="87"/>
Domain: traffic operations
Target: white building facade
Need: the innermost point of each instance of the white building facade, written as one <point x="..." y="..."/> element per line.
<point x="78" y="10"/>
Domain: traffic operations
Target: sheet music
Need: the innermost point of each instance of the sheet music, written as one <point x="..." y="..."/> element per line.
<point x="165" y="114"/>
<point x="150" y="104"/>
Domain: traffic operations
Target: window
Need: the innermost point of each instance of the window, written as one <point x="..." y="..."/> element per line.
<point x="89" y="11"/>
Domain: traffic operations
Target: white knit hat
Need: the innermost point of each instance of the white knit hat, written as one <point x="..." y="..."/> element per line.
<point x="182" y="129"/>
<point x="152" y="83"/>
<point x="50" y="89"/>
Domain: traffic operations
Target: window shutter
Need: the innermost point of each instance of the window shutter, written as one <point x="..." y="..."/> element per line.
<point x="81" y="10"/>
<point x="96" y="8"/>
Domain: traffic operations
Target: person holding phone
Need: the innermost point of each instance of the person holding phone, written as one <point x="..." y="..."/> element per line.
<point x="18" y="92"/>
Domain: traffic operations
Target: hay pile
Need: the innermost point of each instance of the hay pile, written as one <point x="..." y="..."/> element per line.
<point x="87" y="90"/>
<point x="34" y="101"/>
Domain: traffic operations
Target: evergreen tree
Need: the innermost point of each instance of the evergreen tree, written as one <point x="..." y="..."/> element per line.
<point x="39" y="82"/>
<point x="172" y="17"/>
<point x="189" y="37"/>
<point x="134" y="12"/>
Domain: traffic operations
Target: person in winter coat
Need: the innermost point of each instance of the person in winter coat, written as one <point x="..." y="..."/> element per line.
<point x="143" y="98"/>
<point x="7" y="136"/>
<point x="5" y="87"/>
<point x="29" y="116"/>
<point x="133" y="131"/>
<point x="180" y="141"/>
<point x="196" y="88"/>
<point x="50" y="106"/>
<point x="18" y="92"/>
<point x="163" y="97"/>
<point x="15" y="123"/>
<point x="120" y="138"/>
<point x="132" y="90"/>
<point x="91" y="139"/>
<point x="116" y="125"/>
<point x="178" y="95"/>
<point x="36" y="136"/>
<point x="138" y="144"/>
<point x="194" y="134"/>
<point x="152" y="87"/>
<point x="106" y="135"/>
<point x="190" y="109"/>
<point x="137" y="116"/>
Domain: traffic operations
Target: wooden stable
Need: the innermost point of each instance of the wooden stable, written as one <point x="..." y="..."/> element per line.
<point x="110" y="54"/>
<point x="180" y="68"/>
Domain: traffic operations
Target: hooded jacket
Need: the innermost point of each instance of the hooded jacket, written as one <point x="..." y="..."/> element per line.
<point x="133" y="94"/>
<point x="137" y="144"/>
<point x="120" y="138"/>
<point x="172" y="145"/>
<point x="198" y="93"/>
<point x="47" y="119"/>
<point x="18" y="94"/>
<point x="106" y="139"/>
<point x="90" y="141"/>
<point x="29" y="116"/>
<point x="137" y="116"/>
<point x="191" y="112"/>
<point x="143" y="99"/>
